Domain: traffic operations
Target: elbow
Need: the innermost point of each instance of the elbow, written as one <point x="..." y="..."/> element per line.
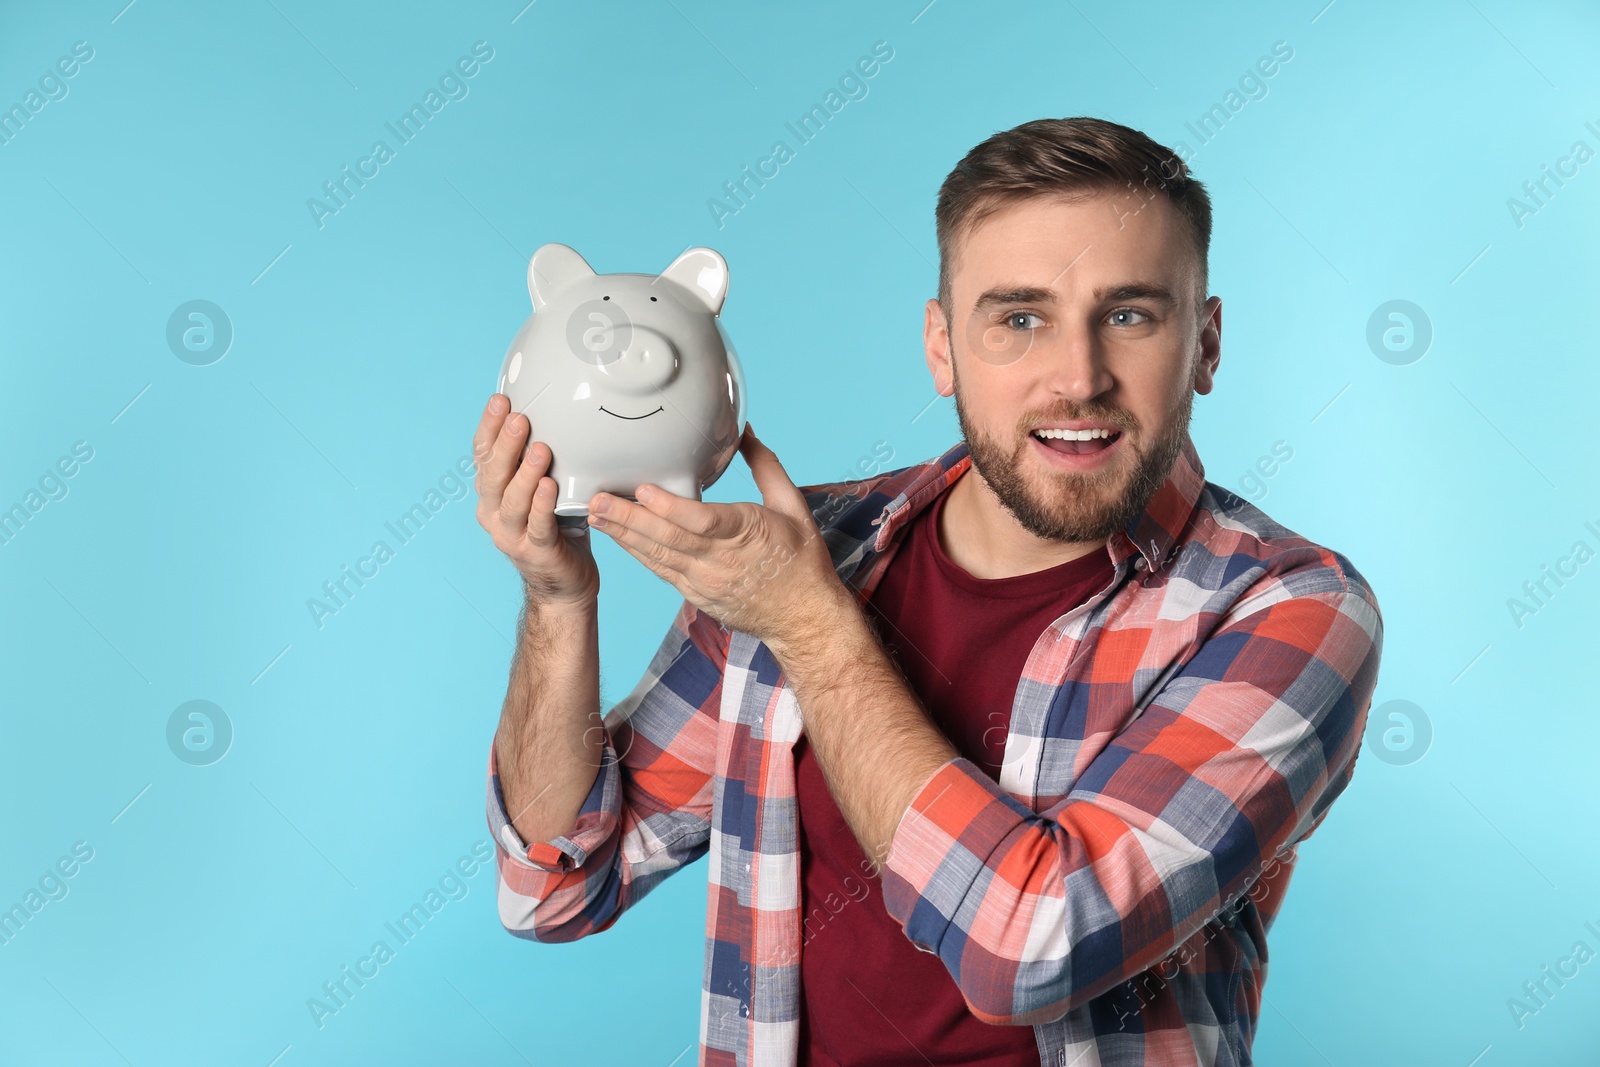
<point x="1004" y="992"/>
<point x="1031" y="991"/>
<point x="1015" y="1003"/>
<point x="988" y="1009"/>
<point x="1043" y="990"/>
<point x="533" y="920"/>
<point x="528" y="919"/>
<point x="556" y="908"/>
<point x="547" y="934"/>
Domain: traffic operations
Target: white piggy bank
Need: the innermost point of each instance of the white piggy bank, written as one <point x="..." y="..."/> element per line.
<point x="629" y="378"/>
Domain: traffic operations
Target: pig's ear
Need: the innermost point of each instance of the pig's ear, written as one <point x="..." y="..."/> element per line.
<point x="703" y="274"/>
<point x="552" y="267"/>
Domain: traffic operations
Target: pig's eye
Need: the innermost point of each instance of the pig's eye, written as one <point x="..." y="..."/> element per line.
<point x="652" y="298"/>
<point x="605" y="298"/>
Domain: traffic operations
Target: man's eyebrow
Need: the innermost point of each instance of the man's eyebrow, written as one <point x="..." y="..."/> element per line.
<point x="1014" y="294"/>
<point x="1137" y="291"/>
<point x="1004" y="295"/>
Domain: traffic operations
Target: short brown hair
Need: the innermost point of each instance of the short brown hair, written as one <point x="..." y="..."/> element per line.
<point x="1064" y="158"/>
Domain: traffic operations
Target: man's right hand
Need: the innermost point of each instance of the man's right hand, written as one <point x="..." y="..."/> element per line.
<point x="516" y="504"/>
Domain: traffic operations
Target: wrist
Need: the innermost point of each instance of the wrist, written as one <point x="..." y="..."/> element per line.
<point x="817" y="635"/>
<point x="540" y="614"/>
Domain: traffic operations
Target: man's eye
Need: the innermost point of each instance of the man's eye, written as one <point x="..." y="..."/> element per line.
<point x="1013" y="317"/>
<point x="1128" y="311"/>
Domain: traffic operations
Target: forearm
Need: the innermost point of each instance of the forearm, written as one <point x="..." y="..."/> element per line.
<point x="870" y="734"/>
<point x="551" y="740"/>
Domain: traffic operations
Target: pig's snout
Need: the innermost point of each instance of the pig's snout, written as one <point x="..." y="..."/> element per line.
<point x="646" y="362"/>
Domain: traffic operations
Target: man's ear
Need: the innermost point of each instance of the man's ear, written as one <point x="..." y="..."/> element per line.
<point x="552" y="267"/>
<point x="936" y="348"/>
<point x="1210" y="344"/>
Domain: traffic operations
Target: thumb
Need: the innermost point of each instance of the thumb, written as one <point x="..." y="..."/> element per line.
<point x="778" y="491"/>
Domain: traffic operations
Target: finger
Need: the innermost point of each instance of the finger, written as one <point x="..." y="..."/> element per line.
<point x="711" y="521"/>
<point x="505" y="454"/>
<point x="666" y="574"/>
<point x="544" y="529"/>
<point x="516" y="506"/>
<point x="494" y="416"/>
<point x="624" y="540"/>
<point x="621" y="512"/>
<point x="778" y="491"/>
<point x="634" y="527"/>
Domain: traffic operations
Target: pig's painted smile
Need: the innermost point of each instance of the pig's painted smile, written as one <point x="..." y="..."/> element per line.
<point x="646" y="415"/>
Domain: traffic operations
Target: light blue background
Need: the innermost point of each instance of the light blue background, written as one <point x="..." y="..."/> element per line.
<point x="219" y="498"/>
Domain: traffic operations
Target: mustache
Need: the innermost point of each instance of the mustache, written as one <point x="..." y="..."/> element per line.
<point x="1121" y="420"/>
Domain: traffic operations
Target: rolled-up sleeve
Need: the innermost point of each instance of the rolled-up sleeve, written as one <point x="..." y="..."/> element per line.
<point x="1233" y="761"/>
<point x="597" y="820"/>
<point x="648" y="812"/>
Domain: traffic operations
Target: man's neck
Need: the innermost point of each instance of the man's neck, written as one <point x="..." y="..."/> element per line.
<point x="982" y="538"/>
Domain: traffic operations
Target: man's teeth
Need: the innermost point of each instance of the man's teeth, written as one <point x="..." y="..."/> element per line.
<point x="1075" y="435"/>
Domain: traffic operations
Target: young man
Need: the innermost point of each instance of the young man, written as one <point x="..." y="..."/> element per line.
<point x="999" y="758"/>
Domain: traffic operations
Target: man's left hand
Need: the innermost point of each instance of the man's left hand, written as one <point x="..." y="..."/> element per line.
<point x="762" y="568"/>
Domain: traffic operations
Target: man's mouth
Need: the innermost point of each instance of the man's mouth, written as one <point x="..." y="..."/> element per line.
<point x="1078" y="442"/>
<point x="646" y="415"/>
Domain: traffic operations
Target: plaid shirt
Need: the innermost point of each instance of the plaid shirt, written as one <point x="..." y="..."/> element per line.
<point x="1171" y="741"/>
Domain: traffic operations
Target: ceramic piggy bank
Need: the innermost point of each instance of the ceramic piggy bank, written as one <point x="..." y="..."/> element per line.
<point x="629" y="378"/>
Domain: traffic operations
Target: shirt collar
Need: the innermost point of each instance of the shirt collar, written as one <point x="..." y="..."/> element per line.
<point x="1153" y="533"/>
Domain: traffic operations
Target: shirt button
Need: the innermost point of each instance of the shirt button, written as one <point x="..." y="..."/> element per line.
<point x="1138" y="564"/>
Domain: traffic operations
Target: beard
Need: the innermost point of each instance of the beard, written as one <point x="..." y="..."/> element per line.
<point x="1072" y="507"/>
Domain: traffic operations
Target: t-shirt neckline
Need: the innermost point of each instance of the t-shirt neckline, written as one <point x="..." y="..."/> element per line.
<point x="1042" y="584"/>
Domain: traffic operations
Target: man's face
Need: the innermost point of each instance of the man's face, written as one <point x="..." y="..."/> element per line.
<point x="1076" y="314"/>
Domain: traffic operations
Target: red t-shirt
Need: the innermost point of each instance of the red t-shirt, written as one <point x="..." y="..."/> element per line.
<point x="868" y="995"/>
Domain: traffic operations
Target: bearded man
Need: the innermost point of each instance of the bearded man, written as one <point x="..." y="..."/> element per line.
<point x="999" y="758"/>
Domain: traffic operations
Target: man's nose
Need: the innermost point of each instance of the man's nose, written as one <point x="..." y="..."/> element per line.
<point x="1073" y="362"/>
